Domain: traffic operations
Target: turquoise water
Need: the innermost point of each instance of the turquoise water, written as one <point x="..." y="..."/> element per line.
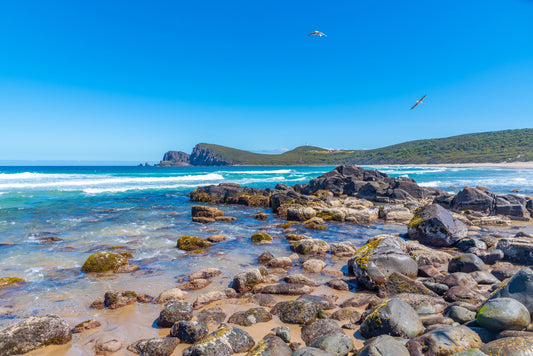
<point x="146" y="209"/>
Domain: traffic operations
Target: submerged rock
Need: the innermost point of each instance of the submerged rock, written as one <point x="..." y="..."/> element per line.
<point x="33" y="333"/>
<point x="115" y="300"/>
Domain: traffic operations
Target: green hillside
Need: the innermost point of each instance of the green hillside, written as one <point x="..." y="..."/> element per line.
<point x="497" y="146"/>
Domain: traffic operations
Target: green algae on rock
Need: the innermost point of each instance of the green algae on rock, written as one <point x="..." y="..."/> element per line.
<point x="261" y="237"/>
<point x="104" y="261"/>
<point x="10" y="282"/>
<point x="190" y="243"/>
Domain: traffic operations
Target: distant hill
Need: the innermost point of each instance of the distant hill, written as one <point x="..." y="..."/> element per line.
<point x="485" y="147"/>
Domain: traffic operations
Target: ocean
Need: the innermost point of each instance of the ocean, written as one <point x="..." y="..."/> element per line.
<point x="53" y="218"/>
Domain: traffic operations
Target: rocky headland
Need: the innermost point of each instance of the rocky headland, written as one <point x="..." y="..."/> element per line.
<point x="446" y="286"/>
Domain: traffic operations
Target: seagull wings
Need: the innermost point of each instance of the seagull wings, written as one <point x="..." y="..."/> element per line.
<point x="418" y="102"/>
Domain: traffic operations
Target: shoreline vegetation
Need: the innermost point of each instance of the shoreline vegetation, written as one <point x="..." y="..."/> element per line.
<point x="487" y="148"/>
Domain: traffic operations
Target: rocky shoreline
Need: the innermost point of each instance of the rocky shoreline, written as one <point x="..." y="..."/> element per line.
<point x="447" y="286"/>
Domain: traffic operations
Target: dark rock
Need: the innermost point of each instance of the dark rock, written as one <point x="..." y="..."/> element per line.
<point x="485" y="335"/>
<point x="342" y="249"/>
<point x="384" y="345"/>
<point x="504" y="272"/>
<point x="250" y="317"/>
<point x="115" y="300"/>
<point x="295" y="311"/>
<point x="464" y="294"/>
<point x="433" y="225"/>
<point x="519" y="251"/>
<point x="491" y="256"/>
<point x="438" y="288"/>
<point x="503" y="314"/>
<point x="174" y="158"/>
<point x="460" y="279"/>
<point x="466" y="244"/>
<point x="33" y="333"/>
<point x="144" y="298"/>
<point x="202" y="155"/>
<point x="174" y="311"/>
<point x="260" y="215"/>
<point x="484" y="277"/>
<point x="519" y="287"/>
<point x="271" y="345"/>
<point x="509" y="346"/>
<point x="163" y="346"/>
<point x="437" y="320"/>
<point x="377" y="260"/>
<point x="287" y="289"/>
<point x="467" y="263"/>
<point x="222" y="342"/>
<point x="231" y="193"/>
<point x="395" y="317"/>
<point x="188" y="331"/>
<point x="490" y="203"/>
<point x="444" y="340"/>
<point x="205" y="211"/>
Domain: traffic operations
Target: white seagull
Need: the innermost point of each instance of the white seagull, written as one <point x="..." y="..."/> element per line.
<point x="318" y="33"/>
<point x="418" y="102"/>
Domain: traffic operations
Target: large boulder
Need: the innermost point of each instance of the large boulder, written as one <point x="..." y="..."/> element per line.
<point x="223" y="342"/>
<point x="441" y="340"/>
<point x="503" y="314"/>
<point x="374" y="262"/>
<point x="517" y="250"/>
<point x="231" y="193"/>
<point x="104" y="261"/>
<point x="395" y="317"/>
<point x="33" y="333"/>
<point x="519" y="287"/>
<point x="433" y="225"/>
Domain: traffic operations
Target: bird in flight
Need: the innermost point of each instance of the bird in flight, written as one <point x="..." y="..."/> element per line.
<point x="318" y="33"/>
<point x="419" y="101"/>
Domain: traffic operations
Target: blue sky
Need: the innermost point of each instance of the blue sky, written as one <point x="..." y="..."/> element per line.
<point x="129" y="80"/>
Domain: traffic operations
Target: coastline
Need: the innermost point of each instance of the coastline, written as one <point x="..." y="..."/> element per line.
<point x="525" y="165"/>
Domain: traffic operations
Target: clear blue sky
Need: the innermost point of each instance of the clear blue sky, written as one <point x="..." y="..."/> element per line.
<point x="129" y="80"/>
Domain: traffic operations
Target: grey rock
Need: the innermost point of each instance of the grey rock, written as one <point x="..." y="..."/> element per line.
<point x="212" y="316"/>
<point x="509" y="346"/>
<point x="519" y="251"/>
<point x="245" y="281"/>
<point x="460" y="314"/>
<point x="467" y="263"/>
<point x="384" y="345"/>
<point x="250" y="317"/>
<point x="222" y="342"/>
<point x="283" y="332"/>
<point x="338" y="284"/>
<point x="338" y="344"/>
<point x="347" y="313"/>
<point x="107" y="347"/>
<point x="444" y="340"/>
<point x="310" y="351"/>
<point x="318" y="328"/>
<point x="287" y="289"/>
<point x="119" y="299"/>
<point x="321" y="302"/>
<point x="519" y="287"/>
<point x="271" y="345"/>
<point x="300" y="279"/>
<point x="295" y="311"/>
<point x="395" y="317"/>
<point x="310" y="247"/>
<point x="503" y="314"/>
<point x="33" y="333"/>
<point x="470" y="352"/>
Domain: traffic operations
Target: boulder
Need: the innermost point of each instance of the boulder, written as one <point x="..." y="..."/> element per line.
<point x="394" y="317"/>
<point x="33" y="333"/>
<point x="104" y="261"/>
<point x="295" y="311"/>
<point x="398" y="283"/>
<point x="337" y="344"/>
<point x="444" y="340"/>
<point x="467" y="263"/>
<point x="190" y="243"/>
<point x="503" y="314"/>
<point x="265" y="257"/>
<point x="250" y="317"/>
<point x="460" y="314"/>
<point x="509" y="346"/>
<point x="196" y="284"/>
<point x="519" y="287"/>
<point x="222" y="342"/>
<point x="384" y="345"/>
<point x="245" y="281"/>
<point x="517" y="250"/>
<point x="300" y="213"/>
<point x="270" y="345"/>
<point x="433" y="225"/>
<point x="264" y="300"/>
<point x="318" y="328"/>
<point x="174" y="311"/>
<point x="377" y="260"/>
<point x="189" y="332"/>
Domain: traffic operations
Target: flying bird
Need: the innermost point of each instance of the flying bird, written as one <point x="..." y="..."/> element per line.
<point x="419" y="101"/>
<point x="318" y="33"/>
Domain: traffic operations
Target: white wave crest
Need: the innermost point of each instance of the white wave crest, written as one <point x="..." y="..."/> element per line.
<point x="276" y="171"/>
<point x="37" y="176"/>
<point x="65" y="184"/>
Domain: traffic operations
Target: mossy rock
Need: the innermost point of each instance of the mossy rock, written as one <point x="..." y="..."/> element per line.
<point x="191" y="243"/>
<point x="261" y="237"/>
<point x="10" y="281"/>
<point x="104" y="261"/>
